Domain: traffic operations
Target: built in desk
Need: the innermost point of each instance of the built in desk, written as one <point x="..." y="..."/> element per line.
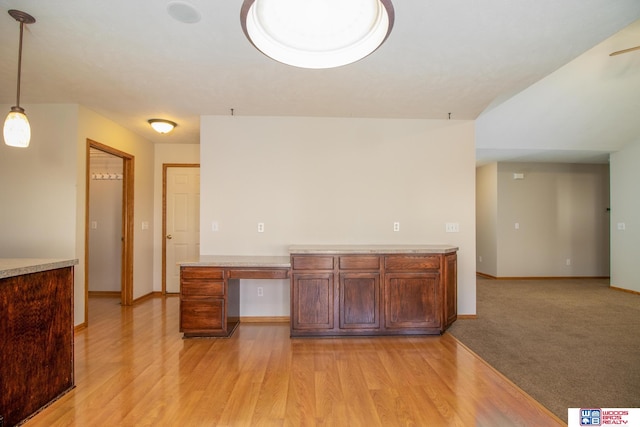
<point x="210" y="290"/>
<point x="336" y="290"/>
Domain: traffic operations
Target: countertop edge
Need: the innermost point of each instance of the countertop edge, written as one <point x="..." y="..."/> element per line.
<point x="239" y="261"/>
<point x="372" y="249"/>
<point x="12" y="267"/>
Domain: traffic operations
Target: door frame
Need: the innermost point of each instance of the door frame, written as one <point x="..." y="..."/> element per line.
<point x="165" y="167"/>
<point x="126" y="273"/>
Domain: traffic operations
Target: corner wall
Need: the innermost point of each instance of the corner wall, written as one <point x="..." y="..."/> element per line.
<point x="625" y="209"/>
<point x="554" y="221"/>
<point x="487" y="219"/>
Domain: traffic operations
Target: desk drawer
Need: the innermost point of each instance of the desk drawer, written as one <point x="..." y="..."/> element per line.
<point x="307" y="262"/>
<point x="412" y="262"/>
<point x="360" y="262"/>
<point x="201" y="273"/>
<point x="202" y="288"/>
<point x="203" y="315"/>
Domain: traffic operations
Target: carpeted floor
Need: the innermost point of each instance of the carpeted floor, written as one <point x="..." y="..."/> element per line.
<point x="568" y="343"/>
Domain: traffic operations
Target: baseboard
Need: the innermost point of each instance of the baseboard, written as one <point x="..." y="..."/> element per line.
<point x="104" y="294"/>
<point x="264" y="319"/>
<point x="79" y="327"/>
<point x="615" y="288"/>
<point x="467" y="316"/>
<point x="147" y="296"/>
<point x="488" y="276"/>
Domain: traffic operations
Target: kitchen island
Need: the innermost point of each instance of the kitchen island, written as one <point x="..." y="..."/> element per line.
<point x="36" y="330"/>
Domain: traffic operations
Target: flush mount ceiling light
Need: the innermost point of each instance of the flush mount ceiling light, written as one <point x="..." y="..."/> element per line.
<point x="161" y="125"/>
<point x="16" y="131"/>
<point x="317" y="33"/>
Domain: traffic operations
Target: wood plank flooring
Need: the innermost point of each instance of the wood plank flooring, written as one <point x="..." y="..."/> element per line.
<point x="134" y="369"/>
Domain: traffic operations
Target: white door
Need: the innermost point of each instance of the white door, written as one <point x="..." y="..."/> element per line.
<point x="183" y="221"/>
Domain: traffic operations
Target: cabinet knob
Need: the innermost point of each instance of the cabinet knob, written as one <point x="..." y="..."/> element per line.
<point x="169" y="237"/>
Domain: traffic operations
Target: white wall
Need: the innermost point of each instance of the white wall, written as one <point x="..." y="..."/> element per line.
<point x="38" y="187"/>
<point x="561" y="211"/>
<point x="105" y="233"/>
<point x="166" y="153"/>
<point x="625" y="208"/>
<point x="337" y="181"/>
<point x="38" y="192"/>
<point x="42" y="189"/>
<point x="487" y="219"/>
<point x="99" y="129"/>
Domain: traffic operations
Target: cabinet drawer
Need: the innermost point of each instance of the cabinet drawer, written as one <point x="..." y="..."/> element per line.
<point x="201" y="273"/>
<point x="360" y="262"/>
<point x="411" y="262"/>
<point x="301" y="262"/>
<point x="203" y="315"/>
<point x="202" y="288"/>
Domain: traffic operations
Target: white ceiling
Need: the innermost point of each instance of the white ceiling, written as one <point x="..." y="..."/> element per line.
<point x="131" y="61"/>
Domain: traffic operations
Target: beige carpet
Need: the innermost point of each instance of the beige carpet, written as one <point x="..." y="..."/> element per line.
<point x="567" y="343"/>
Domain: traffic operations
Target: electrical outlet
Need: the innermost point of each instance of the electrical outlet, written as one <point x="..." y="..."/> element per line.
<point x="480" y="258"/>
<point x="568" y="261"/>
<point x="261" y="227"/>
<point x="452" y="227"/>
<point x="260" y="291"/>
<point x="214" y="226"/>
<point x="396" y="226"/>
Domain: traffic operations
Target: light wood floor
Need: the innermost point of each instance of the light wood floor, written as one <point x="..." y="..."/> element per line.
<point x="132" y="368"/>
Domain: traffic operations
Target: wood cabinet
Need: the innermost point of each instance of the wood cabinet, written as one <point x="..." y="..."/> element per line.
<point x="372" y="294"/>
<point x="36" y="361"/>
<point x="208" y="302"/>
<point x="210" y="294"/>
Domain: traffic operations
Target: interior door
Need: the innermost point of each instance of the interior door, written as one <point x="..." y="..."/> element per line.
<point x="182" y="238"/>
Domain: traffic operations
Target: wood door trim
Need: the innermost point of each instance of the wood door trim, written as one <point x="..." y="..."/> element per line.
<point x="165" y="167"/>
<point x="128" y="172"/>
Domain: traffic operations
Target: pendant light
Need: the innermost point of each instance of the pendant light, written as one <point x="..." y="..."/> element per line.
<point x="17" y="132"/>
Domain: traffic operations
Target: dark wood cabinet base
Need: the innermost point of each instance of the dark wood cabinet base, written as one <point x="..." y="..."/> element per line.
<point x="332" y="294"/>
<point x="349" y="294"/>
<point x="36" y="360"/>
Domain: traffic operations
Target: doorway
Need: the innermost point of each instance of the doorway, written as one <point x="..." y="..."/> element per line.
<point x="109" y="178"/>
<point x="180" y="221"/>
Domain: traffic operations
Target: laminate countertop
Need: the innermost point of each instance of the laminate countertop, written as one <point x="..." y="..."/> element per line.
<point x="239" y="261"/>
<point x="11" y="267"/>
<point x="372" y="249"/>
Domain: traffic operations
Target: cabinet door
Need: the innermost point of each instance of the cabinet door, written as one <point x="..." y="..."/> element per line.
<point x="359" y="300"/>
<point x="411" y="300"/>
<point x="312" y="301"/>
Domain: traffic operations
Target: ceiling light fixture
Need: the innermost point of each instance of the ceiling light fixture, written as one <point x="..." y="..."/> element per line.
<point x="317" y="33"/>
<point x="161" y="125"/>
<point x="16" y="131"/>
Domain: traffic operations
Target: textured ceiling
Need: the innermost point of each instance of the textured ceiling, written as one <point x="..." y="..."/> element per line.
<point x="131" y="61"/>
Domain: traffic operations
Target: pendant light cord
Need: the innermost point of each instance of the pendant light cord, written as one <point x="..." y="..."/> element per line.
<point x="19" y="64"/>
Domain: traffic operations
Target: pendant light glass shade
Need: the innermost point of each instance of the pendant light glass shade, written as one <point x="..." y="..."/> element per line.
<point x="17" y="132"/>
<point x="317" y="33"/>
